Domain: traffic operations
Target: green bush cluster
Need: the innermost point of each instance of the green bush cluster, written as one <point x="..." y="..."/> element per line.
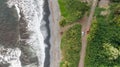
<point x="72" y="10"/>
<point x="110" y="52"/>
<point x="116" y="13"/>
<point x="70" y="47"/>
<point x="115" y="0"/>
<point x="104" y="41"/>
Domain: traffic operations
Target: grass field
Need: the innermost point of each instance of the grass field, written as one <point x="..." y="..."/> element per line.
<point x="70" y="46"/>
<point x="71" y="11"/>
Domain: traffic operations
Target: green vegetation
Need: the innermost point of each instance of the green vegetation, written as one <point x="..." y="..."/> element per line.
<point x="104" y="39"/>
<point x="116" y="13"/>
<point x="70" y="46"/>
<point x="110" y="51"/>
<point x="115" y="0"/>
<point x="71" y="11"/>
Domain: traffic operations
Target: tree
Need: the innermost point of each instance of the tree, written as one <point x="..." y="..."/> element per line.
<point x="110" y="52"/>
<point x="117" y="20"/>
<point x="115" y="0"/>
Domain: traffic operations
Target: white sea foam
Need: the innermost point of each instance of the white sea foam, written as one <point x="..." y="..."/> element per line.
<point x="18" y="11"/>
<point x="32" y="10"/>
<point x="11" y="56"/>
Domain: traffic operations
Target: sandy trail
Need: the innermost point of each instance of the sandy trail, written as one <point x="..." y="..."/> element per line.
<point x="55" y="38"/>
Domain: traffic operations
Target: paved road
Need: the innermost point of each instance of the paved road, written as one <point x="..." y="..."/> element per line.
<point x="85" y="27"/>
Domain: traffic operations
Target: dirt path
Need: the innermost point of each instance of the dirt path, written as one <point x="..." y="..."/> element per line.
<point x="85" y="27"/>
<point x="81" y="21"/>
<point x="63" y="29"/>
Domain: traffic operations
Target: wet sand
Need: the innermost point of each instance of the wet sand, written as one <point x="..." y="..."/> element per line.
<point x="47" y="37"/>
<point x="53" y="39"/>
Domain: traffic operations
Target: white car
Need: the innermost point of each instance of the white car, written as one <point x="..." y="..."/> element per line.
<point x="83" y="33"/>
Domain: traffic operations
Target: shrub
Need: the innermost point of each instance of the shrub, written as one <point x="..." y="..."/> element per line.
<point x="72" y="10"/>
<point x="70" y="46"/>
<point x="104" y="30"/>
<point x="115" y="0"/>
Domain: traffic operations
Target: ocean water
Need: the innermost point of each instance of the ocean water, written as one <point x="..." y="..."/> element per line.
<point x="33" y="14"/>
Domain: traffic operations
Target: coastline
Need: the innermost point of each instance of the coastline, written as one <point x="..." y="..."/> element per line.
<point x="24" y="34"/>
<point x="46" y="32"/>
<point x="49" y="28"/>
<point x="55" y="39"/>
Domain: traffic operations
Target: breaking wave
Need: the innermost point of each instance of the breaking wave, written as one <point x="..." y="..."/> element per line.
<point x="33" y="14"/>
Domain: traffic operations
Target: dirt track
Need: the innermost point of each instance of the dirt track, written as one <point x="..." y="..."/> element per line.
<point x="85" y="27"/>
